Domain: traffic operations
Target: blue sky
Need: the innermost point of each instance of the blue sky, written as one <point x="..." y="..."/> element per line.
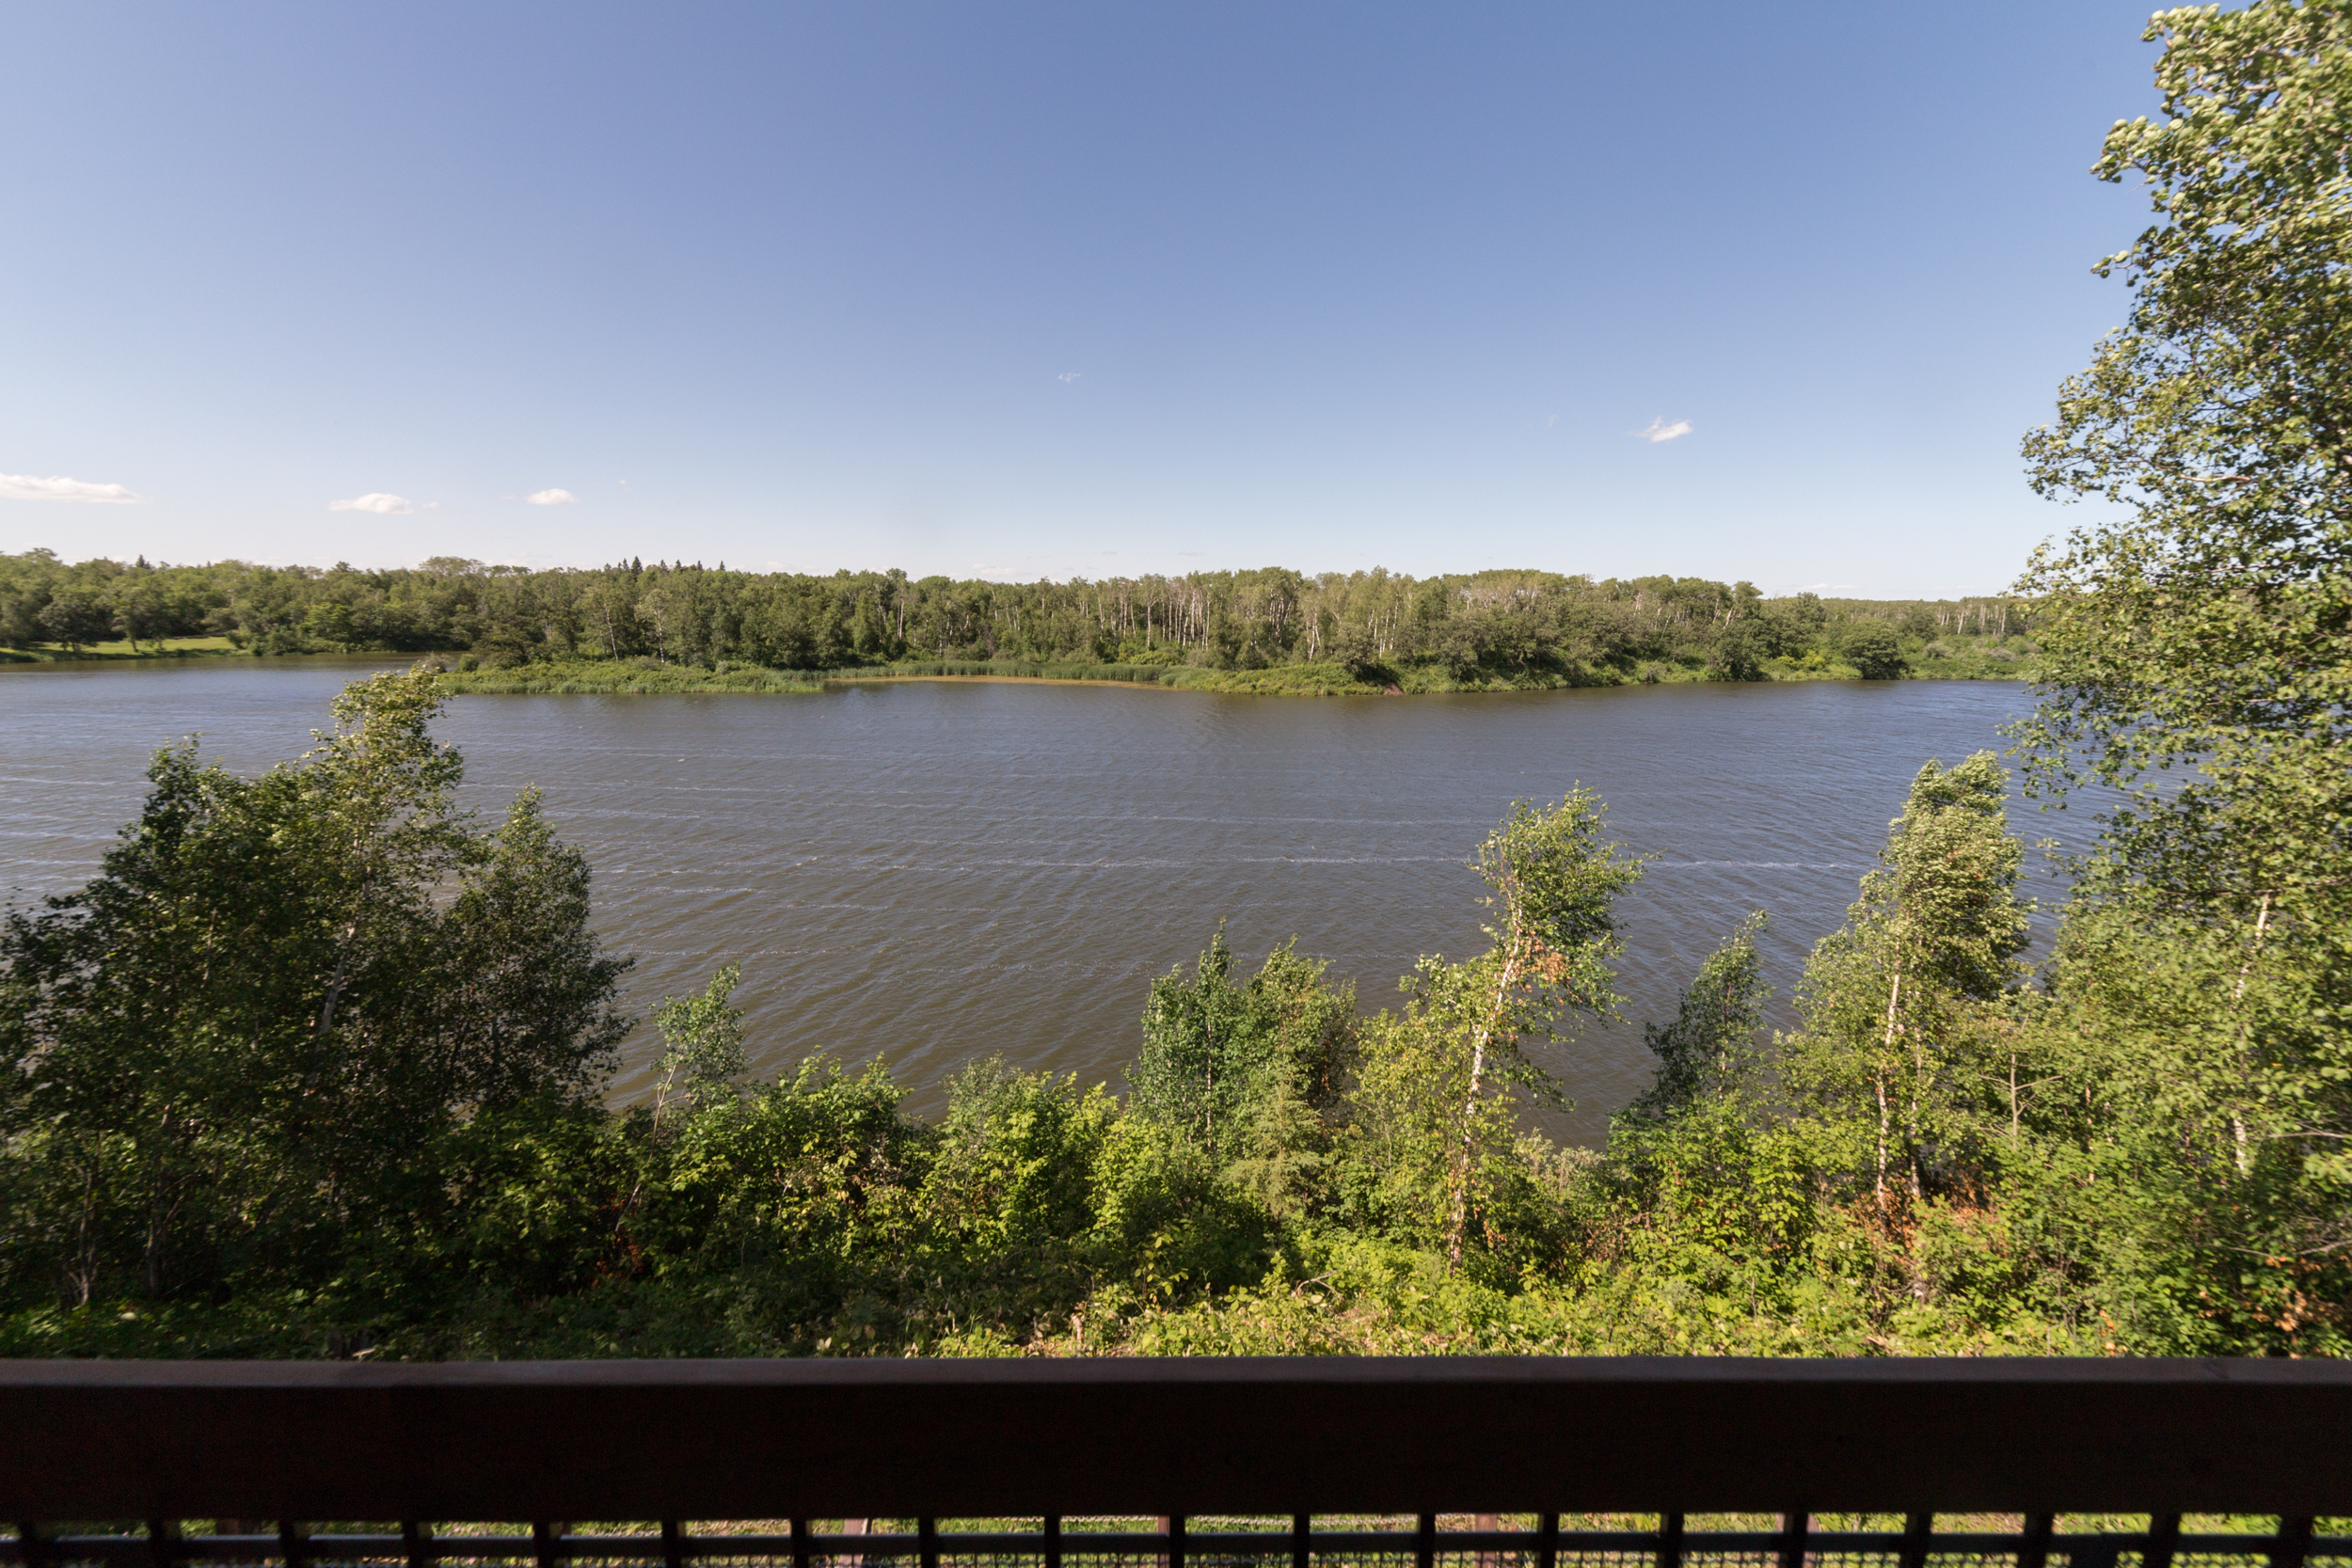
<point x="1034" y="289"/>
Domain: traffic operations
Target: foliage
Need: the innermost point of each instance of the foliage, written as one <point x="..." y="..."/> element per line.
<point x="1901" y="1004"/>
<point x="2198" y="666"/>
<point x="1874" y="651"/>
<point x="247" y="1036"/>
<point x="1217" y="1056"/>
<point x="703" y="1036"/>
<point x="1709" y="1052"/>
<point x="678" y="627"/>
<point x="338" y="1096"/>
<point x="2208" y="628"/>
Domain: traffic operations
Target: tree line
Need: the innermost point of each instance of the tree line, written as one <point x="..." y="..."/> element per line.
<point x="1504" y="622"/>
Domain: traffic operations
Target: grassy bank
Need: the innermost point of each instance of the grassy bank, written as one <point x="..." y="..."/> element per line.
<point x="166" y="647"/>
<point x="581" y="676"/>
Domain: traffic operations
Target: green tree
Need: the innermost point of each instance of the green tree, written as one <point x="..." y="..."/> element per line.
<point x="1874" y="651"/>
<point x="1896" y="1003"/>
<point x="2207" y="628"/>
<point x="2197" y="660"/>
<point x="702" y="1039"/>
<point x="1710" y="1051"/>
<point x="75" y="620"/>
<point x="1739" y="651"/>
<point x="869" y="629"/>
<point x="1215" y="1053"/>
<point x="1441" y="1079"/>
<point x="237" y="1049"/>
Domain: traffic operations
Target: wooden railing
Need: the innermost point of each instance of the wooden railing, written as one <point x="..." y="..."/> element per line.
<point x="1476" y="1459"/>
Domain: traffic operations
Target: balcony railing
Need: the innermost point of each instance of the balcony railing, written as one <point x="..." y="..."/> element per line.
<point x="1500" y="1463"/>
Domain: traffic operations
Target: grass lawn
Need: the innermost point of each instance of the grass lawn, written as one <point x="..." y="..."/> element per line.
<point x="170" y="647"/>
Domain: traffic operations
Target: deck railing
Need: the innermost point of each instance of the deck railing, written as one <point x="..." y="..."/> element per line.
<point x="1491" y="1462"/>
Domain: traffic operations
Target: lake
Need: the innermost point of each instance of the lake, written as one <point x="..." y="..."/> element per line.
<point x="933" y="872"/>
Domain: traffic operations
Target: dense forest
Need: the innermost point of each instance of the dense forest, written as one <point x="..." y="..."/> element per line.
<point x="314" y="1063"/>
<point x="1511" y="627"/>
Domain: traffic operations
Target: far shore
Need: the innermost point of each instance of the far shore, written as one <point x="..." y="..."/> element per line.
<point x="462" y="674"/>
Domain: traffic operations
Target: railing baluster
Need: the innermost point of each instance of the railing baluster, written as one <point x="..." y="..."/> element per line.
<point x="1175" y="1541"/>
<point x="415" y="1542"/>
<point x="2295" y="1542"/>
<point x="1918" y="1532"/>
<point x="292" y="1538"/>
<point x="1548" y="1541"/>
<point x="800" y="1543"/>
<point x="2163" y="1537"/>
<point x="1302" y="1540"/>
<point x="1670" y="1541"/>
<point x="1793" y="1534"/>
<point x="31" y="1541"/>
<point x="927" y="1540"/>
<point x="1425" y="1542"/>
<point x="673" y="1544"/>
<point x="1052" y="1541"/>
<point x="2033" y="1542"/>
<point x="163" y="1543"/>
<point x="542" y="1542"/>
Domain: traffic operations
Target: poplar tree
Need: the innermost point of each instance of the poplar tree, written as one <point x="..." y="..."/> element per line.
<point x="2198" y="641"/>
<point x="1897" y="1003"/>
<point x="2197" y="662"/>
<point x="1708" y="1052"/>
<point x="1441" y="1079"/>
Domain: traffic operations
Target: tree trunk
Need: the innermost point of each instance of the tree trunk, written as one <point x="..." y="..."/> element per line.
<point x="1886" y="1112"/>
<point x="1458" y="1221"/>
<point x="2238" y="999"/>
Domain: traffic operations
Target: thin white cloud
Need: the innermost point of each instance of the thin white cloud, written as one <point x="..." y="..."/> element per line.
<point x="26" y="488"/>
<point x="550" y="497"/>
<point x="376" y="501"/>
<point x="1069" y="375"/>
<point x="1661" y="430"/>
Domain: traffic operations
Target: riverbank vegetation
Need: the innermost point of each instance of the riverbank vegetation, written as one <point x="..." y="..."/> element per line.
<point x="1270" y="630"/>
<point x="314" y="1068"/>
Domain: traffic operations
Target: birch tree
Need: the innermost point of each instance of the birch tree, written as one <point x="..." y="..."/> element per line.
<point x="1896" y="1002"/>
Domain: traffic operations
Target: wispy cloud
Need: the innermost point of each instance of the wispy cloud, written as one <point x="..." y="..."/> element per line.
<point x="1069" y="375"/>
<point x="375" y="501"/>
<point x="26" y="488"/>
<point x="1661" y="430"/>
<point x="550" y="497"/>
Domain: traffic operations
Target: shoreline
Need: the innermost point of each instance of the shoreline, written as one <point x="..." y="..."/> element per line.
<point x="601" y="679"/>
<point x="1289" y="681"/>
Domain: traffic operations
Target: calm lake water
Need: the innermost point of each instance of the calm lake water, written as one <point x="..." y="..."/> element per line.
<point x="929" y="873"/>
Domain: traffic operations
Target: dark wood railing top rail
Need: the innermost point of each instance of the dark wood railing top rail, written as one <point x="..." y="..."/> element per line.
<point x="1019" y="1438"/>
